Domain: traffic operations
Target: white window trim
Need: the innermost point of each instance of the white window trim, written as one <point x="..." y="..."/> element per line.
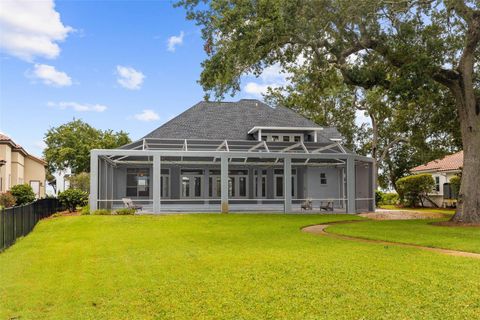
<point x="281" y="135"/>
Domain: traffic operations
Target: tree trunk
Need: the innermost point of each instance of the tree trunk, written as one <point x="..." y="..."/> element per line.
<point x="468" y="207"/>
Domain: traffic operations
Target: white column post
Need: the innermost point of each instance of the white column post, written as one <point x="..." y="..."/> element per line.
<point x="224" y="184"/>
<point x="351" y="205"/>
<point x="156" y="190"/>
<point x="93" y="181"/>
<point x="287" y="184"/>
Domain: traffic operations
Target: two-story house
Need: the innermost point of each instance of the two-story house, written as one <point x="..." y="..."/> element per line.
<point x="234" y="156"/>
<point x="17" y="166"/>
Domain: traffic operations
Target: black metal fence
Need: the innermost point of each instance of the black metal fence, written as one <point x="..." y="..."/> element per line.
<point x="18" y="221"/>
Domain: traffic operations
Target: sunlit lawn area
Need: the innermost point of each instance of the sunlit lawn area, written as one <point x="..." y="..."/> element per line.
<point x="436" y="210"/>
<point x="227" y="267"/>
<point x="420" y="232"/>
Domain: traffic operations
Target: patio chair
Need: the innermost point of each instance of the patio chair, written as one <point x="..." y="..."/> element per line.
<point x="326" y="205"/>
<point x="128" y="203"/>
<point x="306" y="205"/>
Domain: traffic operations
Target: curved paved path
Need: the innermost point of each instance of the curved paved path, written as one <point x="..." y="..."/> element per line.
<point x="319" y="229"/>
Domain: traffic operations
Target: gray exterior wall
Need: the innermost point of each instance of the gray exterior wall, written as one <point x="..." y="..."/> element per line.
<point x="332" y="190"/>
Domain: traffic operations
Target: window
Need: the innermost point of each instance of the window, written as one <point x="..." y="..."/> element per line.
<point x="264" y="138"/>
<point x="279" y="186"/>
<point x="242" y="186"/>
<point x="185" y="187"/>
<point x="437" y="184"/>
<point x="164" y="183"/>
<point x="323" y="178"/>
<point x="198" y="186"/>
<point x="138" y="182"/>
<point x="297" y="138"/>
<point x="286" y="138"/>
<point x="275" y="138"/>
<point x="231" y="186"/>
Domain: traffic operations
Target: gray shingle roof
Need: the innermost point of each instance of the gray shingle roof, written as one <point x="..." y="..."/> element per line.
<point x="231" y="121"/>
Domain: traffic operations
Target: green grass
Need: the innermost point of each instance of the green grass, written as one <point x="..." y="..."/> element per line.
<point x="415" y="232"/>
<point x="225" y="267"/>
<point x="435" y="210"/>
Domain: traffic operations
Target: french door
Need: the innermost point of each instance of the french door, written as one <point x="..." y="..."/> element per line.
<point x="192" y="183"/>
<point x="237" y="184"/>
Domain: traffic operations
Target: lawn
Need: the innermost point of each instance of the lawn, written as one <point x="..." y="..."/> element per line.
<point x="435" y="210"/>
<point x="420" y="232"/>
<point x="225" y="267"/>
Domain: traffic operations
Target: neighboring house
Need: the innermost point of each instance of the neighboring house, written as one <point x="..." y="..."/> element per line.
<point x="20" y="167"/>
<point x="237" y="156"/>
<point x="61" y="182"/>
<point x="442" y="171"/>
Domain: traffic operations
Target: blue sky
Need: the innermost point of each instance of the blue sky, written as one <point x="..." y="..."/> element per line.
<point x="121" y="65"/>
<point x="70" y="63"/>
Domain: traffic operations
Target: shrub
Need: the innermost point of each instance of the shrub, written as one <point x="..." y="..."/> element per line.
<point x="382" y="198"/>
<point x="85" y="210"/>
<point x="378" y="197"/>
<point x="102" y="212"/>
<point x="389" y="198"/>
<point x="413" y="189"/>
<point x="125" y="211"/>
<point x="455" y="185"/>
<point x="7" y="200"/>
<point x="72" y="198"/>
<point x="80" y="181"/>
<point x="23" y="193"/>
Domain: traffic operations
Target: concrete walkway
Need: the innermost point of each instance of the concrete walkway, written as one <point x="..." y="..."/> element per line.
<point x="319" y="229"/>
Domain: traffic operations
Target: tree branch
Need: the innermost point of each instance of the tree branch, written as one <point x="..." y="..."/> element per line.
<point x="389" y="146"/>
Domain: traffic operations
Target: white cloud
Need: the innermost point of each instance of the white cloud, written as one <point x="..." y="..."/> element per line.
<point x="257" y="89"/>
<point x="31" y="28"/>
<point x="271" y="77"/>
<point x="79" y="107"/>
<point x="129" y="78"/>
<point x="147" y="115"/>
<point x="50" y="76"/>
<point x="274" y="74"/>
<point x="174" y="41"/>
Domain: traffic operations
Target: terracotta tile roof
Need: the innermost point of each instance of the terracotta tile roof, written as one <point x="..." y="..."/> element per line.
<point x="450" y="162"/>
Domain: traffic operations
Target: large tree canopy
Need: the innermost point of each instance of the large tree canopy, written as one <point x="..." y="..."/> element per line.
<point x="403" y="47"/>
<point x="69" y="145"/>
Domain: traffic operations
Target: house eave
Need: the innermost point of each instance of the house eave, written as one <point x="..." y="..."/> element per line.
<point x="258" y="128"/>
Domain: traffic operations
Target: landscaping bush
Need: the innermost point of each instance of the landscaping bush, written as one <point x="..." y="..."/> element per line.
<point x="385" y="198"/>
<point x="23" y="193"/>
<point x="73" y="198"/>
<point x="389" y="198"/>
<point x="125" y="211"/>
<point x="85" y="210"/>
<point x="80" y="181"/>
<point x="7" y="200"/>
<point x="413" y="189"/>
<point x="378" y="197"/>
<point x="102" y="212"/>
<point x="455" y="185"/>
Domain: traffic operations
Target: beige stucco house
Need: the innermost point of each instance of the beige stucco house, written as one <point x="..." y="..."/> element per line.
<point x="17" y="166"/>
<point x="442" y="170"/>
